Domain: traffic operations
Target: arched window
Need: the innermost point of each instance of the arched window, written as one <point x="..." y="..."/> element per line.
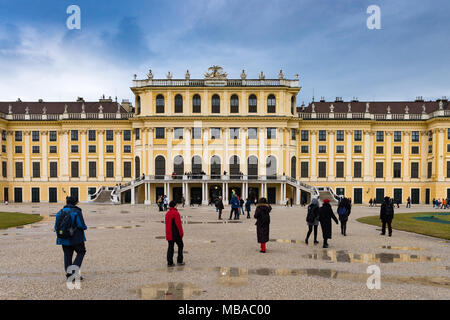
<point x="137" y="167"/>
<point x="294" y="167"/>
<point x="271" y="167"/>
<point x="215" y="102"/>
<point x="138" y="105"/>
<point x="178" y="166"/>
<point x="234" y="104"/>
<point x="196" y="104"/>
<point x="215" y="167"/>
<point x="271" y="103"/>
<point x="160" y="103"/>
<point x="252" y="104"/>
<point x="196" y="167"/>
<point x="160" y="167"/>
<point x="292" y="105"/>
<point x="252" y="167"/>
<point x="235" y="169"/>
<point x="178" y="103"/>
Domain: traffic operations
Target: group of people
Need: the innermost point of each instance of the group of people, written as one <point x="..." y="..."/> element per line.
<point x="163" y="203"/>
<point x="395" y="202"/>
<point x="237" y="207"/>
<point x="441" y="203"/>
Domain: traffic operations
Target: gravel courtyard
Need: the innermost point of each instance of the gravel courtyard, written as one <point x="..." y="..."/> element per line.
<point x="126" y="258"/>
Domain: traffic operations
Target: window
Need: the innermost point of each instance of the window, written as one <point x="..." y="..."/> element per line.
<point x="340" y="135"/>
<point x="138" y="105"/>
<point x="137" y="133"/>
<point x="19" y="169"/>
<point x="252" y="104"/>
<point x="234" y="133"/>
<point x="271" y="133"/>
<point x="448" y="148"/>
<point x="215" y="103"/>
<point x="448" y="170"/>
<point x="35" y="136"/>
<point x="357" y="169"/>
<point x="74" y="149"/>
<point x="430" y="148"/>
<point x="357" y="135"/>
<point x="215" y="133"/>
<point x="196" y="133"/>
<point x="110" y="135"/>
<point x="17" y="136"/>
<point x="448" y="134"/>
<point x="3" y="135"/>
<point x="178" y="103"/>
<point x="429" y="170"/>
<point x="415" y="170"/>
<point x="304" y="149"/>
<point x="126" y="135"/>
<point x="379" y="170"/>
<point x="357" y="149"/>
<point x="397" y="150"/>
<point x="271" y="104"/>
<point x="397" y="169"/>
<point x="159" y="133"/>
<point x="322" y="135"/>
<point x="4" y="171"/>
<point x="53" y="136"/>
<point x="430" y="135"/>
<point x="36" y="169"/>
<point x="92" y="148"/>
<point x="109" y="169"/>
<point x="74" y="135"/>
<point x="234" y="104"/>
<point x="322" y="169"/>
<point x="293" y="134"/>
<point x="397" y="136"/>
<point x="35" y="149"/>
<point x="415" y="137"/>
<point x="340" y="191"/>
<point x="92" y="169"/>
<point x="53" y="149"/>
<point x="18" y="149"/>
<point x="127" y="169"/>
<point x="53" y="169"/>
<point x="380" y="136"/>
<point x="304" y="135"/>
<point x="415" y="150"/>
<point x="379" y="150"/>
<point x="109" y="148"/>
<point x="339" y="149"/>
<point x="196" y="104"/>
<point x="127" y="148"/>
<point x="178" y="133"/>
<point x="3" y="148"/>
<point x="160" y="103"/>
<point x="322" y="149"/>
<point x="339" y="169"/>
<point x="92" y="135"/>
<point x="252" y="133"/>
<point x="304" y="168"/>
<point x="74" y="169"/>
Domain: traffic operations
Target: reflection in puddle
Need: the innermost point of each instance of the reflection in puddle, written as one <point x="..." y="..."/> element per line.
<point x="286" y="241"/>
<point x="169" y="291"/>
<point x="367" y="258"/>
<point x="206" y="222"/>
<point x="233" y="276"/>
<point x="402" y="248"/>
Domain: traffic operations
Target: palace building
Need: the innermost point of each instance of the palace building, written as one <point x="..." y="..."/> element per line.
<point x="202" y="138"/>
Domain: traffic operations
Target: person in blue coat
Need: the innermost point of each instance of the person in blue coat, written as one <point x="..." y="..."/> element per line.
<point x="77" y="240"/>
<point x="234" y="207"/>
<point x="247" y="208"/>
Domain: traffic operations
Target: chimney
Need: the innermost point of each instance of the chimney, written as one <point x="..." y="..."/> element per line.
<point x="40" y="100"/>
<point x="126" y="105"/>
<point x="419" y="99"/>
<point x="338" y="99"/>
<point x="322" y="99"/>
<point x="80" y="99"/>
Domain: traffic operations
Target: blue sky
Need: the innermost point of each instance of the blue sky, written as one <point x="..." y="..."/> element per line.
<point x="326" y="42"/>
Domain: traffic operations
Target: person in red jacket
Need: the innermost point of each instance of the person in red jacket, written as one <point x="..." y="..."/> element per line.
<point x="174" y="234"/>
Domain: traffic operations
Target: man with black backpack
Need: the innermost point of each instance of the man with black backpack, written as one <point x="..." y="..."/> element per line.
<point x="343" y="211"/>
<point x="312" y="219"/>
<point x="69" y="228"/>
<point x="387" y="215"/>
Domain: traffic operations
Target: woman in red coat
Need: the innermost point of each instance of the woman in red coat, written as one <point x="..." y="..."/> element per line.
<point x="174" y="234"/>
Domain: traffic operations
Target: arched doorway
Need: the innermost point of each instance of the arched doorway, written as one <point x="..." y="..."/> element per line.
<point x="196" y="167"/>
<point x="160" y="167"/>
<point x="294" y="167"/>
<point x="234" y="167"/>
<point x="178" y="167"/>
<point x="271" y="167"/>
<point x="215" y="167"/>
<point x="252" y="167"/>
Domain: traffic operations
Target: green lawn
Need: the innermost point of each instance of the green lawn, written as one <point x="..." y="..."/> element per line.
<point x="14" y="219"/>
<point x="406" y="222"/>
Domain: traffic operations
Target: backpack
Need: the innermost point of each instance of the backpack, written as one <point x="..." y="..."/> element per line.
<point x="310" y="217"/>
<point x="389" y="210"/>
<point x="342" y="210"/>
<point x="64" y="228"/>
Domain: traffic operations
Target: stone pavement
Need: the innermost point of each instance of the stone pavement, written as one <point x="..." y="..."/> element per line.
<point x="126" y="252"/>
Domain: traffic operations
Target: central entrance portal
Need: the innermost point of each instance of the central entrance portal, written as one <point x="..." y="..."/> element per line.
<point x="196" y="195"/>
<point x="215" y="192"/>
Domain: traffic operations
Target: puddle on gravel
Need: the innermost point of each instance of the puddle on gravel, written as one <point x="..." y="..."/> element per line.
<point x="286" y="241"/>
<point x="169" y="291"/>
<point x="402" y="248"/>
<point x="367" y="258"/>
<point x="234" y="277"/>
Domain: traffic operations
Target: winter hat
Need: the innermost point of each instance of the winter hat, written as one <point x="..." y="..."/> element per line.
<point x="326" y="201"/>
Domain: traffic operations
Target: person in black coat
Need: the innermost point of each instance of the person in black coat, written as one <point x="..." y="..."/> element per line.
<point x="386" y="216"/>
<point x="220" y="207"/>
<point x="262" y="222"/>
<point x="325" y="216"/>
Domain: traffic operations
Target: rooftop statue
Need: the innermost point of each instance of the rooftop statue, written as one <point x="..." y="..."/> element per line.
<point x="215" y="72"/>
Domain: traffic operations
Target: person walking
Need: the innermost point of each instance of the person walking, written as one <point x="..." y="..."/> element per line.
<point x="165" y="202"/>
<point x="434" y="202"/>
<point x="262" y="216"/>
<point x="159" y="202"/>
<point x="248" y="208"/>
<point x="370" y="202"/>
<point x="343" y="211"/>
<point x="183" y="200"/>
<point x="408" y="202"/>
<point x="234" y="207"/>
<point x="69" y="228"/>
<point x="174" y="234"/>
<point x="220" y="207"/>
<point x="312" y="219"/>
<point x="241" y="206"/>
<point x="386" y="216"/>
<point x="325" y="215"/>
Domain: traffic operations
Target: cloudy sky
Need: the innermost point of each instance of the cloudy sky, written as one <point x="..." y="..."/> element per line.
<point x="326" y="42"/>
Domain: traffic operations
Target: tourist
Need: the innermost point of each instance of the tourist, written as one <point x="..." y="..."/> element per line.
<point x="241" y="203"/>
<point x="291" y="201"/>
<point x="325" y="216"/>
<point x="165" y="202"/>
<point x="262" y="223"/>
<point x="370" y="203"/>
<point x="69" y="228"/>
<point x="247" y="208"/>
<point x="434" y="203"/>
<point x="408" y="202"/>
<point x="183" y="200"/>
<point x="312" y="219"/>
<point x="234" y="207"/>
<point x="386" y="216"/>
<point x="220" y="206"/>
<point x="343" y="211"/>
<point x="174" y="234"/>
<point x="216" y="204"/>
<point x="159" y="202"/>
